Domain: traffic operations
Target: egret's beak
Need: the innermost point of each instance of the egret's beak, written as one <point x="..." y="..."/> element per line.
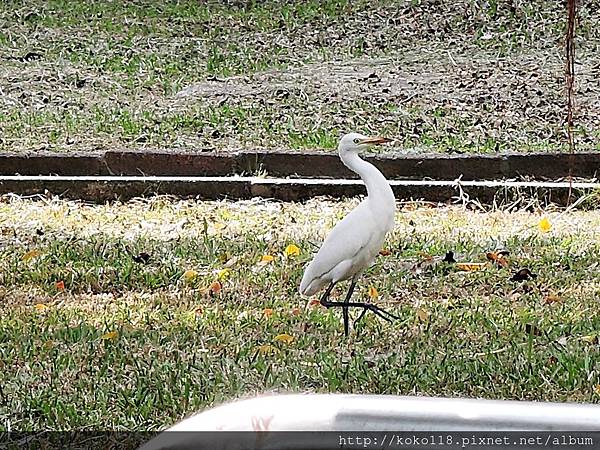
<point x="375" y="140"/>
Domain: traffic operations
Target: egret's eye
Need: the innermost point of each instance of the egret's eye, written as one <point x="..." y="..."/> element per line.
<point x="356" y="141"/>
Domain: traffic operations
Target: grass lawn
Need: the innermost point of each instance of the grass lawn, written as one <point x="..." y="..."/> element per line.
<point x="448" y="76"/>
<point x="132" y="316"/>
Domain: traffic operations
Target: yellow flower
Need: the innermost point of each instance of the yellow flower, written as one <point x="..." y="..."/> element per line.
<point x="223" y="274"/>
<point x="373" y="293"/>
<point x="292" y="250"/>
<point x="544" y="225"/>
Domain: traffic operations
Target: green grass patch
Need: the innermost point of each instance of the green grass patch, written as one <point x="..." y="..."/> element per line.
<point x="95" y="334"/>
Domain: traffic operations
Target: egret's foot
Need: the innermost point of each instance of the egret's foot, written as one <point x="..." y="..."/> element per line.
<point x="383" y="314"/>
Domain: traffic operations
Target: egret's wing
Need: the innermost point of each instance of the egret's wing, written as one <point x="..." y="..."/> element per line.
<point x="345" y="242"/>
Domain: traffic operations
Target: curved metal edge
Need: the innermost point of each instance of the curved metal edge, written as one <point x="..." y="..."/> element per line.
<point x="340" y="412"/>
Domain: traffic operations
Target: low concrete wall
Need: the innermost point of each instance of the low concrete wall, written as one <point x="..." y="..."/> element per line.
<point x="542" y="166"/>
<point x="101" y="189"/>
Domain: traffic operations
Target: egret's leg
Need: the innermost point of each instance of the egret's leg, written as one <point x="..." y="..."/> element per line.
<point x="345" y="308"/>
<point x="325" y="296"/>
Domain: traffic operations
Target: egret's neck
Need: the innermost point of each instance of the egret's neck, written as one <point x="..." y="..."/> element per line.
<point x="378" y="189"/>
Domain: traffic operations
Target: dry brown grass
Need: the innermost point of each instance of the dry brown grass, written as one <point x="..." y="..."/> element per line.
<point x="441" y="76"/>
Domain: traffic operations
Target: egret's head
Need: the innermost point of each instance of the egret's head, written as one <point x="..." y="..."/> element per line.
<point x="356" y="142"/>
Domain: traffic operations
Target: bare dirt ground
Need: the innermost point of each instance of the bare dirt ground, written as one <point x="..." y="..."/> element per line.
<point x="455" y="103"/>
<point x="436" y="75"/>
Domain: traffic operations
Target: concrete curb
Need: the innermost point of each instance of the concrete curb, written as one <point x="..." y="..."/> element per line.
<point x="542" y="166"/>
<point x="107" y="188"/>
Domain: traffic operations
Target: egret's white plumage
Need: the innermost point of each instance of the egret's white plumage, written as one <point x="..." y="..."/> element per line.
<point x="354" y="242"/>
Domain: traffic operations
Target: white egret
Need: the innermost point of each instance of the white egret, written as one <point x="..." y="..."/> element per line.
<point x="354" y="242"/>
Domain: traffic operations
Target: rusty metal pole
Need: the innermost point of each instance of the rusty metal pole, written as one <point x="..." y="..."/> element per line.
<point x="570" y="78"/>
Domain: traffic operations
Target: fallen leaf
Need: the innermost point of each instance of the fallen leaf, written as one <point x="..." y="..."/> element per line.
<point x="268" y="312"/>
<point x="292" y="250"/>
<point x="470" y="267"/>
<point x="590" y="339"/>
<point x="41" y="306"/>
<point x="265" y="259"/>
<point x="551" y="298"/>
<point x="498" y="257"/>
<point x="314" y="302"/>
<point x="385" y="252"/>
<point x="422" y="314"/>
<point x="60" y="285"/>
<point x="31" y="254"/>
<point x="219" y="226"/>
<point x="523" y="274"/>
<point x="597" y="389"/>
<point x="373" y="293"/>
<point x="190" y="275"/>
<point x="266" y="349"/>
<point x="215" y="287"/>
<point x="48" y="345"/>
<point x="544" y="225"/>
<point x="199" y="311"/>
<point x="111" y="335"/>
<point x="296" y="311"/>
<point x="285" y="338"/>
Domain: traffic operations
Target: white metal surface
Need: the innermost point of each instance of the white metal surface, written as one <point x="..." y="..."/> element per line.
<point x="337" y="412"/>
